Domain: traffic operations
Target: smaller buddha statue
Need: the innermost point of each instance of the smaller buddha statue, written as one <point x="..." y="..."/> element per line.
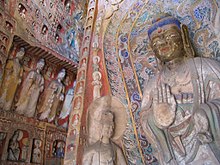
<point x="32" y="87"/>
<point x="54" y="95"/>
<point x="104" y="151"/>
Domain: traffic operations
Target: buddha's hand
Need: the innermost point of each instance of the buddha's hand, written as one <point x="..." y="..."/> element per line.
<point x="164" y="106"/>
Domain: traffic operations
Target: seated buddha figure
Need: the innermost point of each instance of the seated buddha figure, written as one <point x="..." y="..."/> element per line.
<point x="181" y="103"/>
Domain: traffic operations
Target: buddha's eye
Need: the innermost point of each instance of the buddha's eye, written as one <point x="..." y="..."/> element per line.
<point x="155" y="42"/>
<point x="171" y="36"/>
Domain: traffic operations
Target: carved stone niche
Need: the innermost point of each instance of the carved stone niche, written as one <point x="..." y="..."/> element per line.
<point x="9" y="26"/>
<point x="59" y="28"/>
<point x="81" y="75"/>
<point x="89" y="21"/>
<point x="37" y="151"/>
<point x="77" y="103"/>
<point x="4" y="40"/>
<point x="3" y="49"/>
<point x="44" y="30"/>
<point x="55" y="146"/>
<point x="88" y="30"/>
<point x="22" y="10"/>
<point x="37" y="12"/>
<point x="67" y="5"/>
<point x="83" y="63"/>
<point x="91" y="11"/>
<point x="79" y="87"/>
<point x="85" y="51"/>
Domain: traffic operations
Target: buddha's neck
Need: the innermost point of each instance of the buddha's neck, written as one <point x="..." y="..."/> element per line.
<point x="175" y="63"/>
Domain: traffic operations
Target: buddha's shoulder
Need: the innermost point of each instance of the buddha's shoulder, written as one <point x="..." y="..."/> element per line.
<point x="204" y="61"/>
<point x="205" y="66"/>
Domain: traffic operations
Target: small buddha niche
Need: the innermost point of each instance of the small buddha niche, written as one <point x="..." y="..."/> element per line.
<point x="91" y="11"/>
<point x="58" y="149"/>
<point x="4" y="40"/>
<point x="22" y="11"/>
<point x="57" y="38"/>
<point x="1" y="17"/>
<point x="44" y="30"/>
<point x="9" y="26"/>
<point x="33" y="24"/>
<point x="49" y="15"/>
<point x="3" y="49"/>
<point x="59" y="27"/>
<point x="67" y="6"/>
<point x="51" y="4"/>
<point x="42" y="2"/>
<point x="37" y="12"/>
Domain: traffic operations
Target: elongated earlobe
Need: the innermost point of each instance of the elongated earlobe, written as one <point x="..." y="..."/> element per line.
<point x="186" y="42"/>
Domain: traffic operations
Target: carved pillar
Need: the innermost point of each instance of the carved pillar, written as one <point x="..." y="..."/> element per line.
<point x="95" y="82"/>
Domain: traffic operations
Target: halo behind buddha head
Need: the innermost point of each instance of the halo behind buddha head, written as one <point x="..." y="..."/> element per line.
<point x="95" y="114"/>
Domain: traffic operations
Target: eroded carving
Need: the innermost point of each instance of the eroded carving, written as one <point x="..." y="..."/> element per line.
<point x="11" y="79"/>
<point x="103" y="123"/>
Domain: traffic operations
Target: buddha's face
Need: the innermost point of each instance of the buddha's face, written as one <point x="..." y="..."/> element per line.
<point x="40" y="65"/>
<point x="107" y="130"/>
<point x="20" y="54"/>
<point x="167" y="43"/>
<point x="61" y="74"/>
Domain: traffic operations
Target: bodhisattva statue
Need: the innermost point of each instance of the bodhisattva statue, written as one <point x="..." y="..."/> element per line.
<point x="12" y="75"/>
<point x="54" y="94"/>
<point x="104" y="151"/>
<point x="32" y="87"/>
<point x="181" y="104"/>
<point x="63" y="118"/>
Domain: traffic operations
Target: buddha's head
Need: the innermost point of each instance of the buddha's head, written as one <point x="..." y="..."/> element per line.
<point x="40" y="64"/>
<point x="20" y="53"/>
<point x="61" y="74"/>
<point x="107" y="121"/>
<point x="169" y="38"/>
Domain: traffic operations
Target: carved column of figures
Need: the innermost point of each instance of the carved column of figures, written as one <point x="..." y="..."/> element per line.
<point x="73" y="137"/>
<point x="96" y="75"/>
<point x="7" y="27"/>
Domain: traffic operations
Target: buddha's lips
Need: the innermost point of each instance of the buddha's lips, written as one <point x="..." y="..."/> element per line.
<point x="165" y="49"/>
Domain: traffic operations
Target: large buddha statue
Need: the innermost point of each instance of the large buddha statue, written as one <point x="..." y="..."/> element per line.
<point x="32" y="87"/>
<point x="12" y="76"/>
<point x="181" y="104"/>
<point x="104" y="151"/>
